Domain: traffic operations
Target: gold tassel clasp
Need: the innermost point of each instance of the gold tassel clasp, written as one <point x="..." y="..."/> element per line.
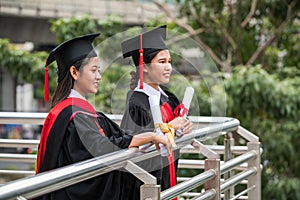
<point x="169" y="131"/>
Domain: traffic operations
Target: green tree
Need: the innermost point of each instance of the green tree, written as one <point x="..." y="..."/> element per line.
<point x="270" y="107"/>
<point x="24" y="66"/>
<point x="240" y="32"/>
<point x="68" y="28"/>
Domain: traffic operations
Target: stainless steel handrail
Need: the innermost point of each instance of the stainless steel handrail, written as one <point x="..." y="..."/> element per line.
<point x="24" y="158"/>
<point x="237" y="161"/>
<point x="19" y="143"/>
<point x="188" y="185"/>
<point x="63" y="177"/>
<point x="198" y="180"/>
<point x="39" y="117"/>
<point x="21" y="172"/>
<point x="237" y="179"/>
<point x="211" y="127"/>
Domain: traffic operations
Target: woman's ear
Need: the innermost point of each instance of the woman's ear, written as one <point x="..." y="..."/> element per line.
<point x="74" y="72"/>
<point x="145" y="68"/>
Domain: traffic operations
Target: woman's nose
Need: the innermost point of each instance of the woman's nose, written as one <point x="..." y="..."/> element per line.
<point x="168" y="66"/>
<point x="99" y="76"/>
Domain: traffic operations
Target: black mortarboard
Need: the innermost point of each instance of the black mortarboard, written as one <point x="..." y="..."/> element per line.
<point x="67" y="53"/>
<point x="144" y="44"/>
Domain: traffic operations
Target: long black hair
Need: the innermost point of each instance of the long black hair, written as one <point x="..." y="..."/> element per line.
<point x="64" y="87"/>
<point x="147" y="59"/>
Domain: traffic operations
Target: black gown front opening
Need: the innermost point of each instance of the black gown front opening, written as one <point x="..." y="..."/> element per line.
<point x="137" y="119"/>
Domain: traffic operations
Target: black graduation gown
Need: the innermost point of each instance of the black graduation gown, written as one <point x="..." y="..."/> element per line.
<point x="73" y="131"/>
<point x="137" y="119"/>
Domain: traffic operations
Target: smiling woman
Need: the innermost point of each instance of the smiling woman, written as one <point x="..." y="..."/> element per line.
<point x="158" y="71"/>
<point x="87" y="78"/>
<point x="153" y="63"/>
<point x="73" y="131"/>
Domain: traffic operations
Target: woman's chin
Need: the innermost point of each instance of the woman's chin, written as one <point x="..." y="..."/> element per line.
<point x="165" y="81"/>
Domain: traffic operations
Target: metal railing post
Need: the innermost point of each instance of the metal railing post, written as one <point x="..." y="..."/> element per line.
<point x="228" y="144"/>
<point x="255" y="180"/>
<point x="149" y="190"/>
<point x="213" y="163"/>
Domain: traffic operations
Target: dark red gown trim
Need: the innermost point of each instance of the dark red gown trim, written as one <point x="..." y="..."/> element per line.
<point x="168" y="115"/>
<point x="51" y="118"/>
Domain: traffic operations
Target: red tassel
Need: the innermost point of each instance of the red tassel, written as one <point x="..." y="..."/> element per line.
<point x="46" y="85"/>
<point x="180" y="110"/>
<point x="141" y="62"/>
<point x="172" y="172"/>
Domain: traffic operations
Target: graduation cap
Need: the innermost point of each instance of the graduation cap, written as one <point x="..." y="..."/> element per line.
<point x="144" y="44"/>
<point x="66" y="54"/>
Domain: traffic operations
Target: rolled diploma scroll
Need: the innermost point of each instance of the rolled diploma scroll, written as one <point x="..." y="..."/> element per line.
<point x="157" y="119"/>
<point x="187" y="99"/>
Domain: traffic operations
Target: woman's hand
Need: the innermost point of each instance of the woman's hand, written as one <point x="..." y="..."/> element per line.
<point x="147" y="137"/>
<point x="182" y="124"/>
<point x="158" y="139"/>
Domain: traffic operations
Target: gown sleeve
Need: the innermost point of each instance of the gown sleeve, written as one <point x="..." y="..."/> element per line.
<point x="113" y="131"/>
<point x="137" y="117"/>
<point x="97" y="136"/>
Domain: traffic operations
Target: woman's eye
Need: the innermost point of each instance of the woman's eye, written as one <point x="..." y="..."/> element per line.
<point x="164" y="61"/>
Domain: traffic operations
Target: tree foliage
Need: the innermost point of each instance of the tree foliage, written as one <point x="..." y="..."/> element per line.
<point x="24" y="66"/>
<point x="239" y="32"/>
<point x="269" y="106"/>
<point x="263" y="95"/>
<point x="68" y="28"/>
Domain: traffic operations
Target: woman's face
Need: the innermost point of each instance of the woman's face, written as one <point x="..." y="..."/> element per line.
<point x="87" y="78"/>
<point x="159" y="70"/>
